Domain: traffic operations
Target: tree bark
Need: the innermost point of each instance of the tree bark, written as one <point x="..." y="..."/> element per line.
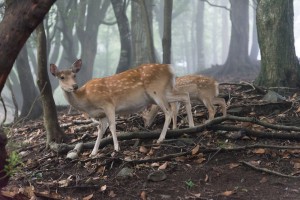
<point x="167" y="35"/>
<point x="279" y="64"/>
<point x="54" y="133"/>
<point x="125" y="36"/>
<point x="20" y="19"/>
<point x="141" y="28"/>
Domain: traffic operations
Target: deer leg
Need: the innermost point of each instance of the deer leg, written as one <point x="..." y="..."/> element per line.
<point x="183" y="97"/>
<point x="164" y="105"/>
<point x="111" y="115"/>
<point x="221" y="102"/>
<point x="210" y="107"/>
<point x="175" y="108"/>
<point x="149" y="115"/>
<point x="102" y="126"/>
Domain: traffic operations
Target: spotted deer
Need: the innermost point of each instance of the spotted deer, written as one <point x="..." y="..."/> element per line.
<point x="124" y="93"/>
<point x="201" y="89"/>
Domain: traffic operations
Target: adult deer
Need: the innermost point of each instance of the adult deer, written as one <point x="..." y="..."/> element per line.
<point x="201" y="89"/>
<point x="128" y="92"/>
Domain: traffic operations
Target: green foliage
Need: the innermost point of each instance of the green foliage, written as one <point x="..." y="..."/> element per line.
<point x="14" y="163"/>
<point x="189" y="183"/>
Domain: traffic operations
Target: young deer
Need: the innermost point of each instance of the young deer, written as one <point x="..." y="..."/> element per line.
<point x="200" y="88"/>
<point x="125" y="93"/>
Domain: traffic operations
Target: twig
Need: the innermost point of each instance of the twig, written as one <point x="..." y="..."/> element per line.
<point x="268" y="171"/>
<point x="214" y="5"/>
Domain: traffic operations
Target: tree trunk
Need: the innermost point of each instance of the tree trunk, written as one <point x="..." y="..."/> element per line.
<point x="279" y="64"/>
<point x="125" y="36"/>
<point x="141" y="28"/>
<point x="238" y="64"/>
<point x="255" y="47"/>
<point x="54" y="133"/>
<point x="20" y="19"/>
<point x="31" y="108"/>
<point x="88" y="33"/>
<point x="199" y="36"/>
<point x="167" y="35"/>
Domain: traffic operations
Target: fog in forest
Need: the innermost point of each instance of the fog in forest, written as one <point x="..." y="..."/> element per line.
<point x="216" y="29"/>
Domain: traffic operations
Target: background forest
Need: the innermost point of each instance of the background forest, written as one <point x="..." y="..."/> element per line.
<point x="250" y="46"/>
<point x="112" y="36"/>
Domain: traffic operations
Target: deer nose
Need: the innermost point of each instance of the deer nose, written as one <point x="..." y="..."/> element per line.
<point x="75" y="86"/>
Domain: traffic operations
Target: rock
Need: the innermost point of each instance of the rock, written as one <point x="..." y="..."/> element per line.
<point x="273" y="97"/>
<point x="125" y="173"/>
<point x="156" y="176"/>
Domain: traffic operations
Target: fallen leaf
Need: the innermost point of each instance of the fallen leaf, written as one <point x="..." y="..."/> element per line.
<point x="195" y="150"/>
<point x="180" y="159"/>
<point x="206" y="178"/>
<point x="112" y="194"/>
<point x="263" y="180"/>
<point x="163" y="166"/>
<point x="259" y="151"/>
<point x="227" y="193"/>
<point x="103" y="188"/>
<point x="151" y="152"/>
<point x="255" y="163"/>
<point x="233" y="165"/>
<point x="154" y="164"/>
<point x="88" y="197"/>
<point x="143" y="195"/>
<point x="200" y="160"/>
<point x="297" y="165"/>
<point x="143" y="149"/>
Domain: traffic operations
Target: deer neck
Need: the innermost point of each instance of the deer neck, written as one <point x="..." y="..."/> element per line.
<point x="75" y="100"/>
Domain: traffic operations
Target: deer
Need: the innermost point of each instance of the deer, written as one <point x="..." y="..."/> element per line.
<point x="124" y="93"/>
<point x="201" y="89"/>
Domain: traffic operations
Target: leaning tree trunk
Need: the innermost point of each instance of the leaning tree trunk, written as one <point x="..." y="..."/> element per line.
<point x="125" y="36"/>
<point x="20" y="19"/>
<point x="54" y="133"/>
<point x="279" y="64"/>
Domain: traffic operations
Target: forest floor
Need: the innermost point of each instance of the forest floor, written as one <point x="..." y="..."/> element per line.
<point x="254" y="154"/>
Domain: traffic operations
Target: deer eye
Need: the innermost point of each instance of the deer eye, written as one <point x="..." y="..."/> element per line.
<point x="74" y="75"/>
<point x="62" y="77"/>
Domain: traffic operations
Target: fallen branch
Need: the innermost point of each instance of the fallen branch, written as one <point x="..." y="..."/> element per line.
<point x="213" y="124"/>
<point x="268" y="171"/>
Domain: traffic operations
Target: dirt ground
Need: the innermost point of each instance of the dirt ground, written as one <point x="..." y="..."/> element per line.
<point x="208" y="164"/>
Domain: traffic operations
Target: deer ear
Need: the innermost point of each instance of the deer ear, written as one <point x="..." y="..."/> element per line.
<point x="53" y="69"/>
<point x="76" y="66"/>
